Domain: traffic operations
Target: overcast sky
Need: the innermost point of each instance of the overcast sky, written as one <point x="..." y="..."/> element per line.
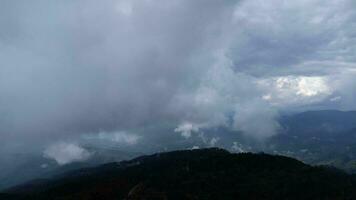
<point x="109" y="69"/>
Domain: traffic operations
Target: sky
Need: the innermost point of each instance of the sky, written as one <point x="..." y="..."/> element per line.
<point x="133" y="71"/>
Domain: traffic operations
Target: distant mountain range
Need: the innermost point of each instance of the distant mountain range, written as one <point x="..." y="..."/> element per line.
<point x="194" y="174"/>
<point x="318" y="137"/>
<point x="322" y="122"/>
<point x="325" y="137"/>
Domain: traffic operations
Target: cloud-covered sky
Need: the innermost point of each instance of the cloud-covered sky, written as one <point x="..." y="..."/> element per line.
<point x="111" y="68"/>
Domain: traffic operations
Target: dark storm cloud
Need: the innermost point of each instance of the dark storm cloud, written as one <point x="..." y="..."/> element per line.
<point x="278" y="37"/>
<point x="73" y="67"/>
<point x="69" y="68"/>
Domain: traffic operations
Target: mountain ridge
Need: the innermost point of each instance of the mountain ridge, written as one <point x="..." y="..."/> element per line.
<point x="197" y="174"/>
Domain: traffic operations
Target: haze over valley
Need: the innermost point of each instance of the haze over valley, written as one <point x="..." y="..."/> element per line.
<point x="87" y="83"/>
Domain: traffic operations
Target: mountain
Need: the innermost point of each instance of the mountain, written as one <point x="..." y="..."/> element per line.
<point x="195" y="174"/>
<point x="323" y="122"/>
<point x="325" y="137"/>
<point x="25" y="167"/>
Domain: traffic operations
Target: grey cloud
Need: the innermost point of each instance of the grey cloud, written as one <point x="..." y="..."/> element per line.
<point x="277" y="37"/>
<point x="77" y="66"/>
<point x="69" y="68"/>
<point x="65" y="153"/>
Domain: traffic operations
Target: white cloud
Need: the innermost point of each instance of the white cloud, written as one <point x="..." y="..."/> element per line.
<point x="223" y="91"/>
<point x="237" y="147"/>
<point x="312" y="86"/>
<point x="65" y="153"/>
<point x="213" y="141"/>
<point x="256" y="119"/>
<point x="186" y="129"/>
<point x="195" y="147"/>
<point x="295" y="90"/>
<point x="118" y="137"/>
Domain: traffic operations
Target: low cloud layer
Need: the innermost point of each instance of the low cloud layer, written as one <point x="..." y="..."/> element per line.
<point x="116" y="68"/>
<point x="65" y="153"/>
<point x="119" y="138"/>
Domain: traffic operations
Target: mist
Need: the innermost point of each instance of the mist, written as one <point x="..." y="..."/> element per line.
<point x="140" y="73"/>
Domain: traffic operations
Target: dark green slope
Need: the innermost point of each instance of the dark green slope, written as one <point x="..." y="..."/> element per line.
<point x="196" y="174"/>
